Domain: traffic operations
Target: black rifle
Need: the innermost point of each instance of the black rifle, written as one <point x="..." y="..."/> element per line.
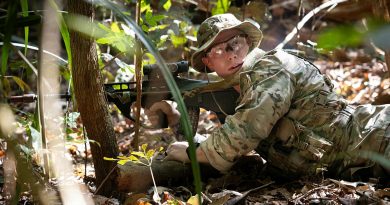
<point x="155" y="89"/>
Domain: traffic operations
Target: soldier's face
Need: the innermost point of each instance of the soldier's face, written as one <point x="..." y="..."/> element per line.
<point x="226" y="58"/>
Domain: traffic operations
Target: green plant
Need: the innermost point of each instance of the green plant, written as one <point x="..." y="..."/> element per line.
<point x="144" y="157"/>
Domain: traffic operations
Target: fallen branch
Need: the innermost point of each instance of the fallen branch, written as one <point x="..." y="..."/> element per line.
<point x="308" y="16"/>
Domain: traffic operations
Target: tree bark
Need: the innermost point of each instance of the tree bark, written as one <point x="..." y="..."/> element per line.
<point x="91" y="102"/>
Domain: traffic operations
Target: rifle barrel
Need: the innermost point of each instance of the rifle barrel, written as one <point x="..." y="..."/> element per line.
<point x="30" y="98"/>
<point x="175" y="68"/>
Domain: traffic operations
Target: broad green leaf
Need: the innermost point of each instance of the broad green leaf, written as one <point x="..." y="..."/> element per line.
<point x="150" y="153"/>
<point x="158" y="27"/>
<point x="22" y="85"/>
<point x="105" y="40"/>
<point x="122" y="162"/>
<point x="158" y="18"/>
<point x="149" y="18"/>
<point x="221" y="7"/>
<point x="103" y="27"/>
<point x="178" y="40"/>
<point x="115" y="28"/>
<point x="145" y="28"/>
<point x="139" y="154"/>
<point x="133" y="158"/>
<point x="145" y="6"/>
<point x="152" y="59"/>
<point x="167" y="5"/>
<point x="144" y="146"/>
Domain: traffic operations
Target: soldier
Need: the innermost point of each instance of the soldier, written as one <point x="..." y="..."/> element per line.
<point x="287" y="111"/>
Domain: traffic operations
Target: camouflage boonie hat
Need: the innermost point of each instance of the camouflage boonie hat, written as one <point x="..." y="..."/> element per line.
<point x="212" y="27"/>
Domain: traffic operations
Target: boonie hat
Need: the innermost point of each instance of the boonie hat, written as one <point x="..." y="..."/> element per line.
<point x="211" y="29"/>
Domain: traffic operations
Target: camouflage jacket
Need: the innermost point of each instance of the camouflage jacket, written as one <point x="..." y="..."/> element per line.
<point x="289" y="113"/>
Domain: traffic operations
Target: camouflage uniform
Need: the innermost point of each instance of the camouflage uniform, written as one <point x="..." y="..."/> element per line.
<point x="289" y="113"/>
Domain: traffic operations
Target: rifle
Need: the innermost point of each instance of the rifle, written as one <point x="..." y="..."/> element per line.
<point x="155" y="89"/>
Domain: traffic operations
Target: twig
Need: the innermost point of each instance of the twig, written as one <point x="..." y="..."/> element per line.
<point x="237" y="199"/>
<point x="305" y="19"/>
<point x="297" y="200"/>
<point x="105" y="179"/>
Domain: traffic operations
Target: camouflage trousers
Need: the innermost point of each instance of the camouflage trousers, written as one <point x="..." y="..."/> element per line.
<point x="358" y="149"/>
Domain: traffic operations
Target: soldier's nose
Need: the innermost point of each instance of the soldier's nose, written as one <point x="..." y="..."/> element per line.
<point x="232" y="56"/>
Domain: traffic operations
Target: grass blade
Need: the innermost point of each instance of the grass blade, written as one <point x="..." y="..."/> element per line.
<point x="24" y="5"/>
<point x="9" y="28"/>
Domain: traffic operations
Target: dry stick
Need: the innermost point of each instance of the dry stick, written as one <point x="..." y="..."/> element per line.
<point x="306" y="18"/>
<point x="237" y="199"/>
<point x="297" y="200"/>
<point x="105" y="179"/>
<point x="138" y="78"/>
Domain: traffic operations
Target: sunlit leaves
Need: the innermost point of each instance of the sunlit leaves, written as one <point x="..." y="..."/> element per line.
<point x="167" y="5"/>
<point x="181" y="38"/>
<point x="144" y="157"/>
<point x="151" y="22"/>
<point x="117" y="38"/>
<point x="221" y="7"/>
<point x="177" y="40"/>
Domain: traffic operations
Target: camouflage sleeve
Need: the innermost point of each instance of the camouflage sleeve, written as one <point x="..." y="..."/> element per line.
<point x="267" y="94"/>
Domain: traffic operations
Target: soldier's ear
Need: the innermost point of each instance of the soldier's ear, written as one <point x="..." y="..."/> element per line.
<point x="208" y="63"/>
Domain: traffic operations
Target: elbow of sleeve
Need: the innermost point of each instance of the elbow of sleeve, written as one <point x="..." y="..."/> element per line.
<point x="214" y="158"/>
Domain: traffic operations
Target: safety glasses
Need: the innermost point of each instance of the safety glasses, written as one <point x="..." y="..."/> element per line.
<point x="232" y="45"/>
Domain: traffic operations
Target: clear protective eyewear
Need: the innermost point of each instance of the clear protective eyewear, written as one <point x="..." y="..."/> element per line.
<point x="233" y="45"/>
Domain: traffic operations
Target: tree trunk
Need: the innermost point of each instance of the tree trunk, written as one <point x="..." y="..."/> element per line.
<point x="91" y="102"/>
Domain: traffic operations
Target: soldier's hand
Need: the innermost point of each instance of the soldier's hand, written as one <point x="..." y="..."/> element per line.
<point x="166" y="108"/>
<point x="177" y="152"/>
